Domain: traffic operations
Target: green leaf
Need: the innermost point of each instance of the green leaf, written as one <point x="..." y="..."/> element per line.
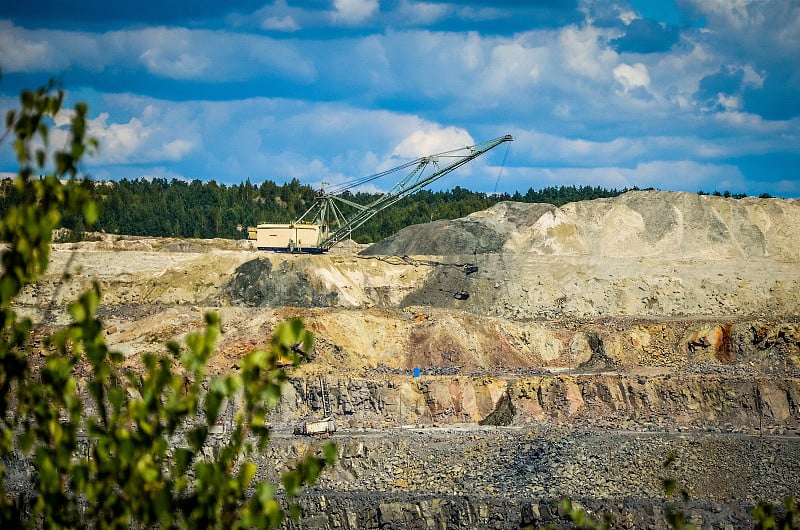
<point x="90" y="212"/>
<point x="247" y="473"/>
<point x="331" y="453"/>
<point x="669" y="486"/>
<point x="25" y="439"/>
<point x="292" y="480"/>
<point x="197" y="437"/>
<point x="183" y="459"/>
<point x="78" y="312"/>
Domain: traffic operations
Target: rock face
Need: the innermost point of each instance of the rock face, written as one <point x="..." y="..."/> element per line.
<point x="561" y="352"/>
<point x="706" y="402"/>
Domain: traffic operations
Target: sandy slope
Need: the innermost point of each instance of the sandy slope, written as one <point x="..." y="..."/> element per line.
<point x="503" y="287"/>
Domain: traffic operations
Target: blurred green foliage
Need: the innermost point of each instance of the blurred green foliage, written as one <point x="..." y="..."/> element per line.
<point x="112" y="447"/>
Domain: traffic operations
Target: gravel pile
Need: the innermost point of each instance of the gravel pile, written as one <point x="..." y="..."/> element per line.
<point x="517" y="474"/>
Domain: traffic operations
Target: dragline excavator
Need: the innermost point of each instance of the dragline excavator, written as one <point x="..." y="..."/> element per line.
<point x="333" y="216"/>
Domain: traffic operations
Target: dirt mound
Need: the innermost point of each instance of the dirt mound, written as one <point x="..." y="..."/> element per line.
<point x="256" y="283"/>
<point x="635" y="224"/>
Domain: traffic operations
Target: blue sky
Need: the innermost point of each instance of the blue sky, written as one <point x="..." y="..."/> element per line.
<point x="678" y="95"/>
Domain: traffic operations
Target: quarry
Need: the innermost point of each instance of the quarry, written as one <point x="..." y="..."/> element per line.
<point x="481" y="369"/>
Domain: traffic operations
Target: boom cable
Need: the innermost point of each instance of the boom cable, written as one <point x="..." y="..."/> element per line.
<point x="502" y="166"/>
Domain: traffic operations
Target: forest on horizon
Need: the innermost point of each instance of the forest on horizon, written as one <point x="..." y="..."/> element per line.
<point x="198" y="209"/>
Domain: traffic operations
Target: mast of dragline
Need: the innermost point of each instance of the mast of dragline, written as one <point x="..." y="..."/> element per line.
<point x="326" y="212"/>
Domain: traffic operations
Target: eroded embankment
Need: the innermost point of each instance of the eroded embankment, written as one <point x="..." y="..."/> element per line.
<point x="698" y="402"/>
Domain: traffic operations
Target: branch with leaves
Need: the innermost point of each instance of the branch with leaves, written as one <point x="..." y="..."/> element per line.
<point x="118" y="448"/>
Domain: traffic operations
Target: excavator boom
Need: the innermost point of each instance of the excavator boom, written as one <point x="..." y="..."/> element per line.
<point x="324" y="224"/>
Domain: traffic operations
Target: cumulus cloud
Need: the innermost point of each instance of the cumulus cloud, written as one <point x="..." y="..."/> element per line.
<point x="174" y="63"/>
<point x="750" y="77"/>
<point x="632" y="76"/>
<point x="119" y="141"/>
<point x="278" y="17"/>
<point x="215" y="56"/>
<point x="284" y="23"/>
<point x="757" y="37"/>
<point x="482" y="13"/>
<point x="351" y="12"/>
<point x="172" y="53"/>
<point x="28" y="51"/>
<point x="687" y="175"/>
<point x="736" y="14"/>
<point x="177" y="149"/>
<point x="270" y="136"/>
<point x="431" y="140"/>
<point x="419" y="13"/>
<point x="21" y="53"/>
<point x="627" y="17"/>
<point x="583" y="54"/>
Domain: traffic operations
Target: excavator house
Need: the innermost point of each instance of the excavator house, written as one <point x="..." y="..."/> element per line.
<point x="334" y="216"/>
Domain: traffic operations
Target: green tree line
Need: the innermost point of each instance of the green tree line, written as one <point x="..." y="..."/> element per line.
<point x="176" y="208"/>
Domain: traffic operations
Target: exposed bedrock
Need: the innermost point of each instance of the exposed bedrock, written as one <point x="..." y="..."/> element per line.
<point x="711" y="403"/>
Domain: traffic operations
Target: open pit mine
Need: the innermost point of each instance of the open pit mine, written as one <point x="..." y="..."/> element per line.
<point x="479" y="370"/>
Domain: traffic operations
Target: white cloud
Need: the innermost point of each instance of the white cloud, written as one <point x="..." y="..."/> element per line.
<point x="119" y="142"/>
<point x="264" y="138"/>
<point x="481" y="14"/>
<point x="751" y="77"/>
<point x="735" y="13"/>
<point x="420" y="13"/>
<point x="431" y="140"/>
<point x="175" y="64"/>
<point x="285" y="23"/>
<point x="632" y="76"/>
<point x="513" y="65"/>
<point x="627" y="17"/>
<point x="582" y="53"/>
<point x="756" y="32"/>
<point x="543" y="149"/>
<point x="687" y="175"/>
<point x="352" y="12"/>
<point x="174" y="53"/>
<point x="21" y="53"/>
<point x="24" y="50"/>
<point x="278" y="16"/>
<point x="443" y="86"/>
<point x="677" y="76"/>
<point x="729" y="102"/>
<point x="177" y="149"/>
